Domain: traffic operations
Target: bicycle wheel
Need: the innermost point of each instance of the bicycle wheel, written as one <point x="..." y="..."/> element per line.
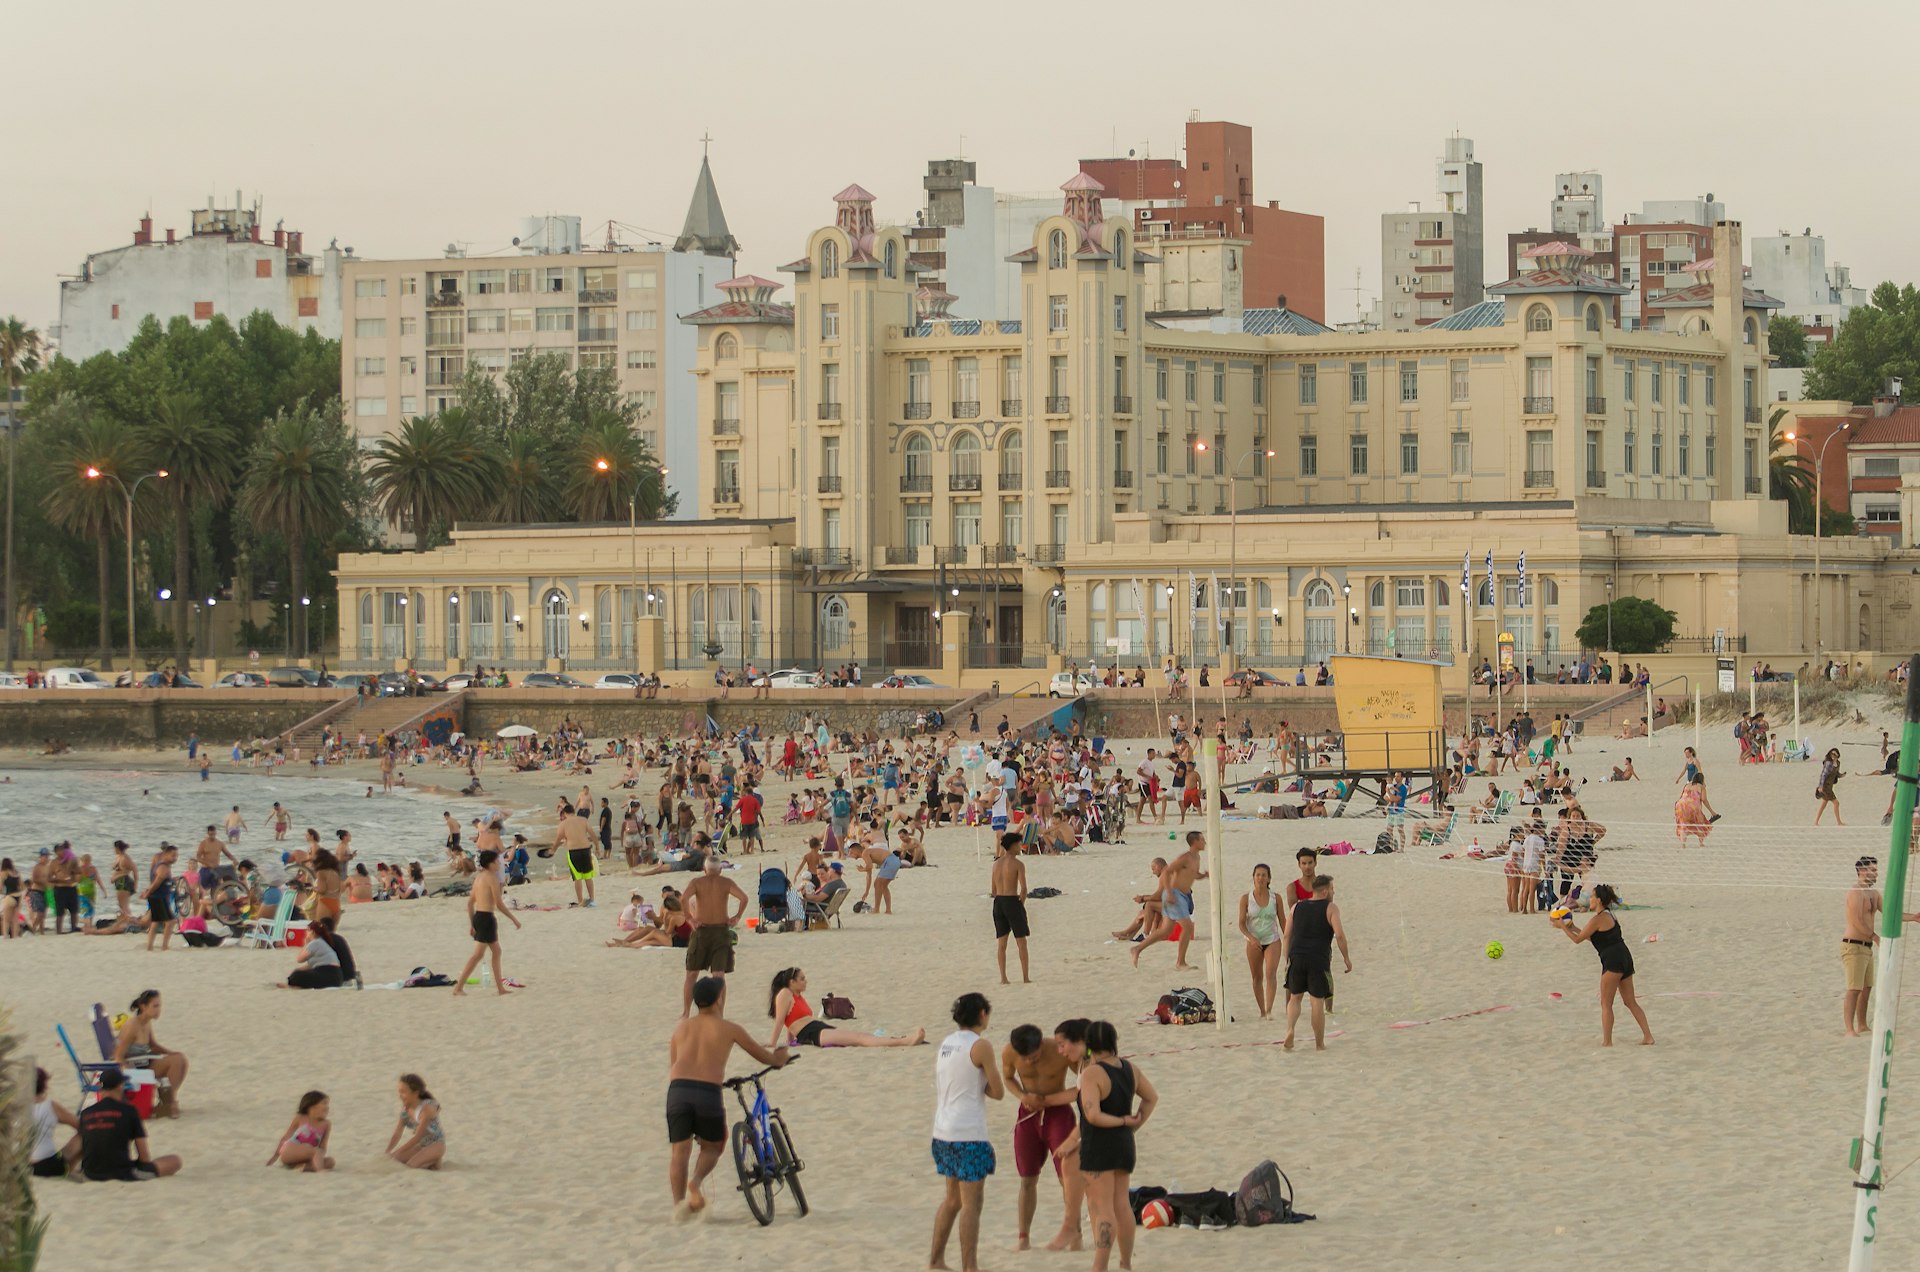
<point x="787" y="1162"/>
<point x="755" y="1182"/>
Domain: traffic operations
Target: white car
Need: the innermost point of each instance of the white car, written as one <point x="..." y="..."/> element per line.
<point x="1067" y="684"/>
<point x="618" y="680"/>
<point x="11" y="680"/>
<point x="74" y="678"/>
<point x="790" y="678"/>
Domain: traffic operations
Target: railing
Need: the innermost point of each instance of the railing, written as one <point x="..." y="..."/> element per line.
<point x="1012" y="406"/>
<point x="1009" y="654"/>
<point x="445" y="339"/>
<point x="1539" y="478"/>
<point x="599" y="335"/>
<point x="1122" y="405"/>
<point x="445" y="300"/>
<point x="727" y="426"/>
<point x="1729" y="644"/>
<point x="1123" y="479"/>
<point x="1059" y="405"/>
<point x="916" y="484"/>
<point x="950" y="555"/>
<point x="912" y="653"/>
<point x="999" y="553"/>
<point x="1596" y="406"/>
<point x="919" y="410"/>
<point x="1753" y="415"/>
<point x="963" y="481"/>
<point x="966" y="410"/>
<point x="1596" y="480"/>
<point x="897" y="555"/>
<point x="1049" y="553"/>
<point x="443" y="379"/>
<point x="1058" y="477"/>
<point x="599" y="296"/>
<point x="833" y="558"/>
<point x="1537" y="406"/>
<point x="1013" y="480"/>
<point x="726" y="494"/>
<point x="829" y="411"/>
<point x="830" y="484"/>
<point x="1753" y="485"/>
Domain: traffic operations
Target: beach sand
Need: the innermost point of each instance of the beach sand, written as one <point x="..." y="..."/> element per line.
<point x="1498" y="1136"/>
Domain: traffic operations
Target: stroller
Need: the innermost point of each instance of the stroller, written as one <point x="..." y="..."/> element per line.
<point x="775" y="912"/>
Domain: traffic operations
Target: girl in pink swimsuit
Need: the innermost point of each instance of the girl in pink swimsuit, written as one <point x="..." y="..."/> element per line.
<point x="303" y="1145"/>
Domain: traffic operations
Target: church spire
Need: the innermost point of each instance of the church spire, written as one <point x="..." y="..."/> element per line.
<point x="706" y="227"/>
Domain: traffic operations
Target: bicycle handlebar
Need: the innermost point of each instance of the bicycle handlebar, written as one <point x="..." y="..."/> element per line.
<point x="736" y="1083"/>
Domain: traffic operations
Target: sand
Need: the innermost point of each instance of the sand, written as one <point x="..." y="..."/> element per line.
<point x="1499" y="1135"/>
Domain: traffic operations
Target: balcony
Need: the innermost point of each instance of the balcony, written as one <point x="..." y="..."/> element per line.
<point x="1049" y="553"/>
<point x="1596" y="480"/>
<point x="1537" y="406"/>
<point x="727" y="426"/>
<point x="825" y="558"/>
<point x="1014" y="479"/>
<point x="726" y="494"/>
<point x="897" y="555"/>
<point x="999" y="554"/>
<point x="956" y="555"/>
<point x="1012" y="406"/>
<point x="829" y="411"/>
<point x="1539" y="479"/>
<point x="1596" y="406"/>
<point x="1122" y="479"/>
<point x="919" y="410"/>
<point x="1059" y="478"/>
<point x="1059" y="405"/>
<point x="599" y="296"/>
<point x="966" y="410"/>
<point x="445" y="300"/>
<point x="1753" y="485"/>
<point x="599" y="335"/>
<point x="437" y="378"/>
<point x="1753" y="415"/>
<point x="830" y="484"/>
<point x="1122" y="405"/>
<point x="916" y="484"/>
<point x="963" y="481"/>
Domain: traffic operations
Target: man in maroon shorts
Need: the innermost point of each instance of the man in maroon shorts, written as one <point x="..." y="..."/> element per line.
<point x="1036" y="1074"/>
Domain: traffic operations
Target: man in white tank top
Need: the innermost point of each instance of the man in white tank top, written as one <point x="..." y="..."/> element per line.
<point x="964" y="1079"/>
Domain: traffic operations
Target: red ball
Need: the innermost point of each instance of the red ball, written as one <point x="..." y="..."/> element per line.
<point x="1156" y="1214"/>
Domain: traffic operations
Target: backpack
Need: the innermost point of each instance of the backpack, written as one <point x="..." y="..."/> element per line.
<point x="1383" y="842"/>
<point x="1184" y="1007"/>
<point x="1265" y="1196"/>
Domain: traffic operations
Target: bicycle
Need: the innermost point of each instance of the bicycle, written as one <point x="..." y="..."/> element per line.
<point x="762" y="1150"/>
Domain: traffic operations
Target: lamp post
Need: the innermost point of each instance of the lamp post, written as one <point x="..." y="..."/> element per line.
<point x="1171" y="628"/>
<point x="1233" y="546"/>
<point x="1353" y="615"/>
<point x="95" y="474"/>
<point x="1609" y="613"/>
<point x="1819" y="506"/>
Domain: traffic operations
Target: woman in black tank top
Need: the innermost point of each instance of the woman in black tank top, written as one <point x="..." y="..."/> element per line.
<point x="1108" y="1088"/>
<point x="1616" y="961"/>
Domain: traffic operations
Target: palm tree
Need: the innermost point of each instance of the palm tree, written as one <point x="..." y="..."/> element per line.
<point x="430" y="473"/>
<point x="297" y="485"/>
<point x="19" y="354"/>
<point x="1790" y="476"/>
<point x="86" y="506"/>
<point x="527" y="491"/>
<point x="604" y="470"/>
<point x="196" y="451"/>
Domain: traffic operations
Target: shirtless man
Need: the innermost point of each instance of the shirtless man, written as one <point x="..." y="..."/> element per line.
<point x="696" y="1065"/>
<point x="1176" y="901"/>
<point x="1010" y="904"/>
<point x="206" y="858"/>
<point x="235" y="824"/>
<point x="1149" y="916"/>
<point x="1147" y="777"/>
<point x="1036" y="1075"/>
<point x="1857" y="943"/>
<point x="708" y="903"/>
<point x="483" y="911"/>
<point x="575" y="838"/>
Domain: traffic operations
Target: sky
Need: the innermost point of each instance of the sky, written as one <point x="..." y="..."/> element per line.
<point x="401" y="126"/>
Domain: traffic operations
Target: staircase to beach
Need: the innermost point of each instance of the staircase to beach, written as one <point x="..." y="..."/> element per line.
<point x="374" y="716"/>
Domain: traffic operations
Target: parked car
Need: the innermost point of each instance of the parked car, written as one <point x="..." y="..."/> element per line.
<point x="241" y="680"/>
<point x="158" y="680"/>
<point x="623" y="680"/>
<point x="9" y="680"/>
<point x="351" y="683"/>
<point x="899" y="680"/>
<point x="1259" y="679"/>
<point x="73" y="678"/>
<point x="393" y="684"/>
<point x="298" y="678"/>
<point x="550" y="680"/>
<point x="457" y="681"/>
<point x="791" y="678"/>
<point x="1069" y="684"/>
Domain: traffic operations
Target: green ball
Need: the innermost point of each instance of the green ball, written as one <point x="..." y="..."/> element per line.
<point x="1495" y="949"/>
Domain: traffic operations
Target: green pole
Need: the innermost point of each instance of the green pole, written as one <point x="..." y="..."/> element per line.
<point x="1867" y="1153"/>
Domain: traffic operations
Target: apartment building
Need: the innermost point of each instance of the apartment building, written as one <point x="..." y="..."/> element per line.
<point x="1576" y="215"/>
<point x="412" y="329"/>
<point x="1794" y="268"/>
<point x="1432" y="261"/>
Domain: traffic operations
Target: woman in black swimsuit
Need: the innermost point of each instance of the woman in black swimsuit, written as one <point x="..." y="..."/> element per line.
<point x="1616" y="961"/>
<point x="1108" y="1086"/>
<point x="10" y="892"/>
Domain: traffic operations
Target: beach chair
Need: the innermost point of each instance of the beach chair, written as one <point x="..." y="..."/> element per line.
<point x="88" y="1072"/>
<point x="827" y="912"/>
<point x="1437" y="835"/>
<point x="104" y="1036"/>
<point x="1792" y="751"/>
<point x="1505" y="804"/>
<point x="271" y="933"/>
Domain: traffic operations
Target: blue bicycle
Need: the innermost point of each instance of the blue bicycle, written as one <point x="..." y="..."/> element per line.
<point x="762" y="1150"/>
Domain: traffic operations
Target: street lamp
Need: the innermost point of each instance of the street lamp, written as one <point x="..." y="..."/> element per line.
<point x="1353" y="615"/>
<point x="95" y="474"/>
<point x="1170" y="624"/>
<point x="1609" y="613"/>
<point x="1819" y="506"/>
<point x="306" y="633"/>
<point x="1233" y="545"/>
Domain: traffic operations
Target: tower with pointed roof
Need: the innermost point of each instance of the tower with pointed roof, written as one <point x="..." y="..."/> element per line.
<point x="706" y="226"/>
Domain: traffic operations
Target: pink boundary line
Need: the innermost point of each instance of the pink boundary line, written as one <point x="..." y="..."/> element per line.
<point x="1463" y="1015"/>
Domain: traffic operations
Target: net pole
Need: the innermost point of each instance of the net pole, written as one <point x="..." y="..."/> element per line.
<point x="1796" y="710"/>
<point x="1696" y="719"/>
<point x="1753" y="694"/>
<point x="1216" y="858"/>
<point x="1652" y="724"/>
<point x="1886" y="993"/>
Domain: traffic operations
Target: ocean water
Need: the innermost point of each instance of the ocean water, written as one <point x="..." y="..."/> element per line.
<point x="92" y="808"/>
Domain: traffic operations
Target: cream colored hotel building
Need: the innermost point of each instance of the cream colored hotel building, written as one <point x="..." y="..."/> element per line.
<point x="1086" y="480"/>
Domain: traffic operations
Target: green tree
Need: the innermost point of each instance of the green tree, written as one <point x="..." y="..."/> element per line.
<point x="529" y="489"/>
<point x="197" y="451"/>
<point x="1879" y="340"/>
<point x="94" y="508"/>
<point x="1787" y="340"/>
<point x="432" y="472"/>
<point x="298" y="484"/>
<point x="610" y="465"/>
<point x="1639" y="626"/>
<point x="19" y="355"/>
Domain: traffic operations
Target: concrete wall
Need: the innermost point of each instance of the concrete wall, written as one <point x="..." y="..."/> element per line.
<point x="606" y="714"/>
<point x="152" y="719"/>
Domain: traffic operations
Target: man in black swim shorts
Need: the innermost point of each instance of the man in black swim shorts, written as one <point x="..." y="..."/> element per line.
<point x="1009" y="888"/>
<point x="696" y="1064"/>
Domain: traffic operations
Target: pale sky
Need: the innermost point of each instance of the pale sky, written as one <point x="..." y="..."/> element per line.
<point x="399" y="126"/>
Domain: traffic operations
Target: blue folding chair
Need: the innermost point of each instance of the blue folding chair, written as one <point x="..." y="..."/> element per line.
<point x="88" y="1073"/>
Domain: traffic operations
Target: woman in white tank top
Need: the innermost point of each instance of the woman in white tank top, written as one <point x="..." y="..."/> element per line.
<point x="965" y="1077"/>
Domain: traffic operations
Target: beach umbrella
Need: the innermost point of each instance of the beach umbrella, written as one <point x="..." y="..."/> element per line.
<point x="517" y="731"/>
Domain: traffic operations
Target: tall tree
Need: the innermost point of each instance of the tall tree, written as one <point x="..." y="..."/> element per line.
<point x="1787" y="340"/>
<point x="298" y="484"/>
<point x="1878" y="341"/>
<point x="19" y="355"/>
<point x="197" y="451"/>
<point x="426" y="476"/>
<point x="91" y="507"/>
<point x="528" y="491"/>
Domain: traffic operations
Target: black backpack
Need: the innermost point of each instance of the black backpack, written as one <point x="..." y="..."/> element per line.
<point x="1210" y="1209"/>
<point x="1265" y="1196"/>
<point x="1184" y="1007"/>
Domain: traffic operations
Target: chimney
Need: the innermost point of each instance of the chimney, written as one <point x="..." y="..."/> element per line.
<point x="1884" y="405"/>
<point x="169" y="234"/>
<point x="293" y="241"/>
<point x="255" y="234"/>
<point x="143" y="235"/>
<point x="279" y="237"/>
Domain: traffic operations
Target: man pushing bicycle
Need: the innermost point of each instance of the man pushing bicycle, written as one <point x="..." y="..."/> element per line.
<point x="697" y="1063"/>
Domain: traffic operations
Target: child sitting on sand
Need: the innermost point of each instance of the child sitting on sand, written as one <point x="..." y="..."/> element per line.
<point x="426" y="1142"/>
<point x="303" y="1145"/>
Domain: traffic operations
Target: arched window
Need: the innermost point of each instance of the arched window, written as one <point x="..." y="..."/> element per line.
<point x="453" y="625"/>
<point x="696" y="620"/>
<point x="1483" y="594"/>
<point x="966" y="456"/>
<point x="1056" y="620"/>
<point x="1097" y="598"/>
<point x="1549" y="592"/>
<point x="829" y="259"/>
<point x="891" y="258"/>
<point x="603" y="621"/>
<point x="366" y="624"/>
<point x="1319" y="595"/>
<point x="726" y="348"/>
<point x="1120" y="256"/>
<point x="919" y="456"/>
<point x="1377" y="594"/>
<point x="755" y="622"/>
<point x="1539" y="318"/>
<point x="419" y="625"/>
<point x="1593" y="317"/>
<point x="1057" y="250"/>
<point x="1263" y="595"/>
<point x="1752" y="332"/>
<point x="511" y="621"/>
<point x="1443" y="592"/>
<point x="1013" y="460"/>
<point x="833" y="623"/>
<point x="554" y="611"/>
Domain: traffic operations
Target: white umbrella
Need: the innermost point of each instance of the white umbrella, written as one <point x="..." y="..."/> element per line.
<point x="517" y="731"/>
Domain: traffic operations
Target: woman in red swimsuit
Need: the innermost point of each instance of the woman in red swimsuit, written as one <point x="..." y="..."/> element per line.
<point x="788" y="1006"/>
